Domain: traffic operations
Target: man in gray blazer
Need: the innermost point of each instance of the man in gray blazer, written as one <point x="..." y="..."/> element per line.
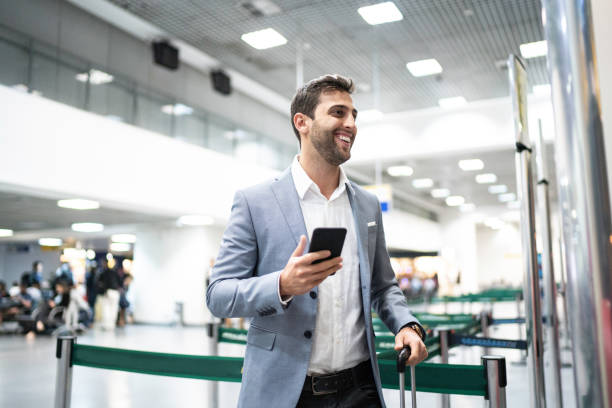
<point x="311" y="342"/>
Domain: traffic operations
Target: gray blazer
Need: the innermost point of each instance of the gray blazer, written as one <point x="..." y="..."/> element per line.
<point x="263" y="231"/>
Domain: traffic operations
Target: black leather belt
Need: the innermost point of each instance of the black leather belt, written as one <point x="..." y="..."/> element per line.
<point x="356" y="376"/>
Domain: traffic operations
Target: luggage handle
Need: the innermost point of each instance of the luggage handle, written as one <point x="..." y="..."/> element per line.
<point x="402" y="357"/>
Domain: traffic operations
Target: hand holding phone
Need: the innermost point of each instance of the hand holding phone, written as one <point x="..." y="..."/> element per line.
<point x="331" y="239"/>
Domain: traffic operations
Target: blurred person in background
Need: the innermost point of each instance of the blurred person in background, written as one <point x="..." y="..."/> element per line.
<point x="108" y="286"/>
<point x="36" y="275"/>
<point x="124" y="304"/>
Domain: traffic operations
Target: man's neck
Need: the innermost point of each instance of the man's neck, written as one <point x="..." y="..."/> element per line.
<point x="325" y="175"/>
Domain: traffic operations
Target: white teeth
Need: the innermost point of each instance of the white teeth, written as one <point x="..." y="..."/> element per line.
<point x="346" y="139"/>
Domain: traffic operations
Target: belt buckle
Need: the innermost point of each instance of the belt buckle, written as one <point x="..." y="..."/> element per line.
<point x="314" y="390"/>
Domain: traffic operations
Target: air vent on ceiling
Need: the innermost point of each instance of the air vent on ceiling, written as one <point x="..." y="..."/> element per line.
<point x="261" y="8"/>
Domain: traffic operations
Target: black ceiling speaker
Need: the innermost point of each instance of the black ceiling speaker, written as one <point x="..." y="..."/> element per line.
<point x="221" y="82"/>
<point x="165" y="54"/>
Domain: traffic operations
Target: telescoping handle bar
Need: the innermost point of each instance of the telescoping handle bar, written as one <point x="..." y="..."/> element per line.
<point x="402" y="357"/>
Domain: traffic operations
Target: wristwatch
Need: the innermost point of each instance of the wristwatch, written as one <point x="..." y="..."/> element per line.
<point x="418" y="329"/>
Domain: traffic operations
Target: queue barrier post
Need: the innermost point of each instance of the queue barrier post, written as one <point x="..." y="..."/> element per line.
<point x="484" y="327"/>
<point x="444" y="347"/>
<point x="495" y="371"/>
<point x="213" y="350"/>
<point x="63" y="379"/>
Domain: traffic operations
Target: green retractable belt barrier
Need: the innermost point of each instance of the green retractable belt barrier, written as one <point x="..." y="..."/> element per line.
<point x="439" y="378"/>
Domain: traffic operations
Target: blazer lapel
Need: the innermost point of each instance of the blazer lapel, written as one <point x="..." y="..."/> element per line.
<point x="289" y="202"/>
<point x="361" y="228"/>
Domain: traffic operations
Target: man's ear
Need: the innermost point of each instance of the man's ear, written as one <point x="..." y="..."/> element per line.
<point x="301" y="123"/>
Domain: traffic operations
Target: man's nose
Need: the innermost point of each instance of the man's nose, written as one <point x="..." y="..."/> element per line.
<point x="349" y="122"/>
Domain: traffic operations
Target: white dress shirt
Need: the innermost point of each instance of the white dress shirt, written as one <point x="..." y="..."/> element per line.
<point x="339" y="339"/>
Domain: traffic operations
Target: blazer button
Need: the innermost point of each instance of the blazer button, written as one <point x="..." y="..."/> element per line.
<point x="308" y="334"/>
<point x="313" y="294"/>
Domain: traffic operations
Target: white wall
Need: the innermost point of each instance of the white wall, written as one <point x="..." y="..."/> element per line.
<point x="171" y="265"/>
<point x="459" y="248"/>
<point x="499" y="255"/>
<point x="76" y="32"/>
<point x="80" y="154"/>
<point x="407" y="231"/>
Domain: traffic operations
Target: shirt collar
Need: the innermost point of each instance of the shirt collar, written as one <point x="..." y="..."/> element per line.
<point x="303" y="182"/>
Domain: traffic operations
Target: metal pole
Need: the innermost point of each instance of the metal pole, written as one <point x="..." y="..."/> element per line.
<point x="495" y="369"/>
<point x="531" y="284"/>
<point x="548" y="273"/>
<point x="583" y="195"/>
<point x="444" y="347"/>
<point x="63" y="379"/>
<point x="212" y="387"/>
<point x="484" y="327"/>
<point x="563" y="291"/>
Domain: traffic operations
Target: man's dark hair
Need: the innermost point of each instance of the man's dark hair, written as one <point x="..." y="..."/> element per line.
<point x="35" y="264"/>
<point x="306" y="98"/>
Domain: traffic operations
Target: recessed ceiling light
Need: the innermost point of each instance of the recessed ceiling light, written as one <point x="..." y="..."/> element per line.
<point x="424" y="67"/>
<point x="440" y="192"/>
<point x="50" y="242"/>
<point x="422" y="183"/>
<point x="534" y="49"/>
<point x="400" y="171"/>
<point x="380" y="13"/>
<point x="486" y="178"/>
<point x="96" y="77"/>
<point x="196" y="220"/>
<point x="471" y="164"/>
<point x="543" y="89"/>
<point x="87" y="227"/>
<point x="504" y="198"/>
<point x="177" y="109"/>
<point x="119" y="247"/>
<point x="6" y="232"/>
<point x="467" y="207"/>
<point x="263" y="39"/>
<point x="369" y="115"/>
<point x="78" y="204"/>
<point x="494" y="223"/>
<point x="125" y="238"/>
<point x="91" y="254"/>
<point x="498" y="189"/>
<point x="453" y="102"/>
<point x="454" y="201"/>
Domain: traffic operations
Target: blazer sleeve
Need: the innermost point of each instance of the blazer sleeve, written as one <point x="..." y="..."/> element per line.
<point x="236" y="288"/>
<point x="388" y="300"/>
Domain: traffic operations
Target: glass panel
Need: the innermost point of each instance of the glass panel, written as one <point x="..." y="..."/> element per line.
<point x="44" y="76"/>
<point x="220" y="137"/>
<point x="190" y="129"/>
<point x="14" y="66"/>
<point x="271" y="153"/>
<point x="149" y="115"/>
<point x="247" y="148"/>
<point x="70" y="90"/>
<point x="114" y="100"/>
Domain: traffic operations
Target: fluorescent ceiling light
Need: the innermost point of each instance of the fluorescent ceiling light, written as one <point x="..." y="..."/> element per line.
<point x="87" y="227"/>
<point x="6" y="232"/>
<point x="454" y="201"/>
<point x="264" y="39"/>
<point x="534" y="49"/>
<point x="369" y="115"/>
<point x="78" y="204"/>
<point x="422" y="183"/>
<point x="543" y="89"/>
<point x="119" y="247"/>
<point x="514" y="205"/>
<point x="380" y="13"/>
<point x="96" y="77"/>
<point x="486" y="178"/>
<point x="125" y="238"/>
<point x="196" y="220"/>
<point x="453" y="102"/>
<point x="498" y="189"/>
<point x="400" y="171"/>
<point x="471" y="164"/>
<point x="50" y="242"/>
<point x="504" y="198"/>
<point x="467" y="207"/>
<point x="424" y="67"/>
<point x="440" y="192"/>
<point x="177" y="109"/>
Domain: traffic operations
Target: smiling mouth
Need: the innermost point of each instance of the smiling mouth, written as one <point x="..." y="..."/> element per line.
<point x="345" y="140"/>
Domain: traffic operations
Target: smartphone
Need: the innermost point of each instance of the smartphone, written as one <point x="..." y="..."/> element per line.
<point x="331" y="239"/>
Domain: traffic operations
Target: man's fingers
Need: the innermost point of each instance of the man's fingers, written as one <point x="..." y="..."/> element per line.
<point x="300" y="248"/>
<point x="313" y="256"/>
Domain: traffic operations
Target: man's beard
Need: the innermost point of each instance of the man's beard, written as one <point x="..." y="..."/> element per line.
<point x="325" y="143"/>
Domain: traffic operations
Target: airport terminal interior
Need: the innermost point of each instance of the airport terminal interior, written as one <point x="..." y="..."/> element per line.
<point x="127" y="127"/>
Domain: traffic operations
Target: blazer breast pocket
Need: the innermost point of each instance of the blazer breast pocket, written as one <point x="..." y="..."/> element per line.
<point x="372" y="229"/>
<point x="261" y="337"/>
